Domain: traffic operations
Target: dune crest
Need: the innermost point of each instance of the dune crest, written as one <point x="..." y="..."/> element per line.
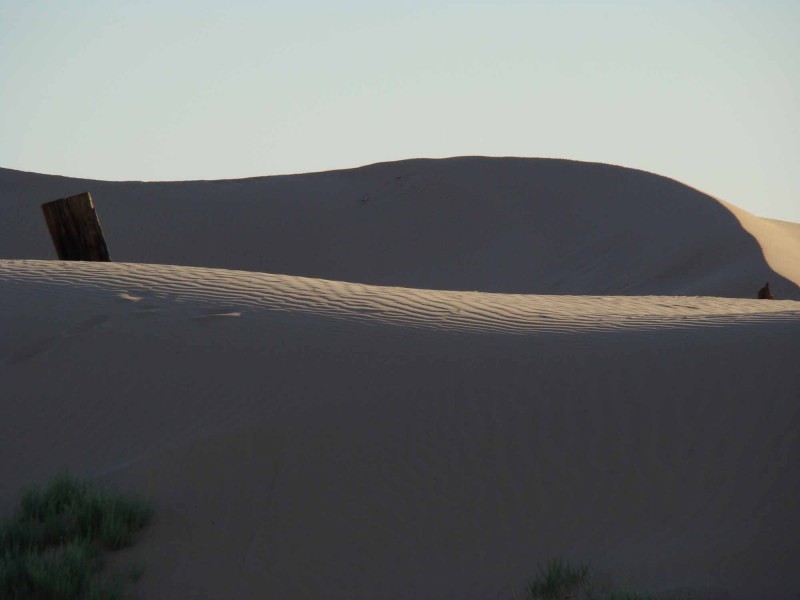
<point x="215" y="291"/>
<point x="779" y="241"/>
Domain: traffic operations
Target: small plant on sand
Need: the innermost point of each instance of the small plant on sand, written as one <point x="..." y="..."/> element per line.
<point x="559" y="580"/>
<point x="53" y="546"/>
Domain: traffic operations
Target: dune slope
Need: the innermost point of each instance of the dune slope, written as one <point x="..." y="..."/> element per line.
<point x="487" y="224"/>
<point x="304" y="438"/>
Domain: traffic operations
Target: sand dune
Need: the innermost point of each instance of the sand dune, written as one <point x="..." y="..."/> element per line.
<point x="530" y="226"/>
<point x="310" y="438"/>
<point x="302" y="436"/>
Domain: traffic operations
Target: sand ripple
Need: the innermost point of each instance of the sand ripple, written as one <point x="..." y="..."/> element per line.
<point x="225" y="293"/>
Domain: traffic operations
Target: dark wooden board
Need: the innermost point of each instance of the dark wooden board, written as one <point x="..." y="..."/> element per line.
<point x="75" y="228"/>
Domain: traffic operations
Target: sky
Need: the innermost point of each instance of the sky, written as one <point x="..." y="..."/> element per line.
<point x="704" y="92"/>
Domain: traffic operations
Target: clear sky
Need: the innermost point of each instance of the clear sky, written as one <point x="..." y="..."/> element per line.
<point x="704" y="92"/>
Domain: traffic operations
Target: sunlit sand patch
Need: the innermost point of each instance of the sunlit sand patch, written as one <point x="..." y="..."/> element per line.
<point x="218" y="316"/>
<point x="130" y="297"/>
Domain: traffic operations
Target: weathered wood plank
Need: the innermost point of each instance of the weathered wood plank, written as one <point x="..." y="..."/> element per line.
<point x="75" y="228"/>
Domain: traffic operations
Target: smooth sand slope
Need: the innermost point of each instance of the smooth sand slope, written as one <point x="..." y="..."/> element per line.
<point x="304" y="438"/>
<point x="533" y="226"/>
<point x="311" y="438"/>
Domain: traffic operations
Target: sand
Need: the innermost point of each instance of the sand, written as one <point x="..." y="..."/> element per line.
<point x="426" y="394"/>
<point x="527" y="226"/>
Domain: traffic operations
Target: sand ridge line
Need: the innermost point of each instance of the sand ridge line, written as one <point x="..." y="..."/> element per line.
<point x="232" y="293"/>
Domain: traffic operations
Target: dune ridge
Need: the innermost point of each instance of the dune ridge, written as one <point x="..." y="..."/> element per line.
<point x="441" y="310"/>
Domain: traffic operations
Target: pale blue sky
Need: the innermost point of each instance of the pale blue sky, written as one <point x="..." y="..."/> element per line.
<point x="704" y="92"/>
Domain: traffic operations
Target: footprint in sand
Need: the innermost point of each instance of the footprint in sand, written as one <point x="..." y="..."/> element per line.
<point x="146" y="310"/>
<point x="32" y="350"/>
<point x="87" y="325"/>
<point x="129" y="297"/>
<point x="142" y="309"/>
<point x="46" y="343"/>
<point x="217" y="316"/>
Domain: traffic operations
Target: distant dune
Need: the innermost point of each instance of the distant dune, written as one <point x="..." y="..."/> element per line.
<point x="415" y="380"/>
<point x="530" y="226"/>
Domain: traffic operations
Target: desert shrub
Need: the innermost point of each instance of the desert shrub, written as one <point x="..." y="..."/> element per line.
<point x="560" y="580"/>
<point x="53" y="546"/>
<point x="557" y="579"/>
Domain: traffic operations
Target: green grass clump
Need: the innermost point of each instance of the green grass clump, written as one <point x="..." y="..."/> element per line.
<point x="559" y="580"/>
<point x="52" y="548"/>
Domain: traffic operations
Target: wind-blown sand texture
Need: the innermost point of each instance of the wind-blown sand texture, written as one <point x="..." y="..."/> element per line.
<point x="306" y="437"/>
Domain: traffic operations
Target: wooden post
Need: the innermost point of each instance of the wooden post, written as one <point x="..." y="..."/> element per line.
<point x="75" y="228"/>
<point x="765" y="293"/>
